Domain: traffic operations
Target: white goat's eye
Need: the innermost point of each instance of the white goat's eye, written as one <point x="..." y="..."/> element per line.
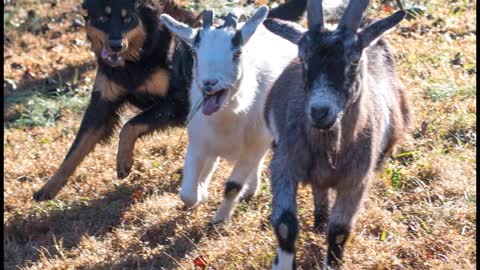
<point x="237" y="54"/>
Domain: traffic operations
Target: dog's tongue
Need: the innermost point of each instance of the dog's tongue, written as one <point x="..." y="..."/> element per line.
<point x="212" y="104"/>
<point x="104" y="53"/>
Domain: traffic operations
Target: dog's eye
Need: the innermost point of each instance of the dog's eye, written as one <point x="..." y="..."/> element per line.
<point x="127" y="19"/>
<point x="102" y="19"/>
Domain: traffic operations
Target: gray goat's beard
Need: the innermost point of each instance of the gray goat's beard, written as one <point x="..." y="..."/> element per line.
<point x="333" y="143"/>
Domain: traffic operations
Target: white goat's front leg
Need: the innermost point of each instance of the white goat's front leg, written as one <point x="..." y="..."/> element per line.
<point x="254" y="180"/>
<point x="198" y="170"/>
<point x="235" y="185"/>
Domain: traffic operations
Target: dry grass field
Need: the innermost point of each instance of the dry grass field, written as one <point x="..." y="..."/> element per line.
<point x="420" y="212"/>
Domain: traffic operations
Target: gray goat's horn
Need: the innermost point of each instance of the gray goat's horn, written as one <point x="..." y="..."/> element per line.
<point x="207" y="18"/>
<point x="315" y="14"/>
<point x="353" y="14"/>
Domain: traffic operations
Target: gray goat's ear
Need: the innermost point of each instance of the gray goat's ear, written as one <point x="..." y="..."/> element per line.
<point x="251" y="24"/>
<point x="352" y="17"/>
<point x="376" y="30"/>
<point x="183" y="31"/>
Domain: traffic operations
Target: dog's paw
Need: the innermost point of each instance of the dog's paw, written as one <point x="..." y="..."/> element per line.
<point x="47" y="192"/>
<point x="124" y="166"/>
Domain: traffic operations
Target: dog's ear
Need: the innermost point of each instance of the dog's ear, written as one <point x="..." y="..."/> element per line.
<point x="83" y="10"/>
<point x="183" y="31"/>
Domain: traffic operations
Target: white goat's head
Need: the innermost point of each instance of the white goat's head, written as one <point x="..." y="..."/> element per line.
<point x="218" y="57"/>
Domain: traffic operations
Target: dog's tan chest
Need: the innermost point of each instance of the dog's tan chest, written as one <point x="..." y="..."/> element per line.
<point x="157" y="83"/>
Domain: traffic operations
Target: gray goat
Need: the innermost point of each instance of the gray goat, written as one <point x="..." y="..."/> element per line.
<point x="335" y="114"/>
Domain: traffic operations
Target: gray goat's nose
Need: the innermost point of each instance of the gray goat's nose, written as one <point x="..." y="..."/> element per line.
<point x="210" y="83"/>
<point x="319" y="114"/>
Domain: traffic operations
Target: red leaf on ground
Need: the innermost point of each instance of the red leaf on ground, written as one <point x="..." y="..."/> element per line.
<point x="200" y="262"/>
<point x="387" y="8"/>
<point x="428" y="255"/>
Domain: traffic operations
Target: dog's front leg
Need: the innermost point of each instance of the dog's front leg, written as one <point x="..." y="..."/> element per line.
<point x="160" y="116"/>
<point x="97" y="124"/>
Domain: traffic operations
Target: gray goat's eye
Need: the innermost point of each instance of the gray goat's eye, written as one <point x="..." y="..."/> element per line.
<point x="305" y="65"/>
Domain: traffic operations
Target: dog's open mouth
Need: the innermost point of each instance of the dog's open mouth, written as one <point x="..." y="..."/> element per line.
<point x="213" y="101"/>
<point x="112" y="59"/>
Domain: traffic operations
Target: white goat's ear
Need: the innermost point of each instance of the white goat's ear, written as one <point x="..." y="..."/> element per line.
<point x="183" y="31"/>
<point x="370" y="34"/>
<point x="251" y="24"/>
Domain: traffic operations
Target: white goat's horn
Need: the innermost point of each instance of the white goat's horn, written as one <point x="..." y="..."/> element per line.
<point x="207" y="18"/>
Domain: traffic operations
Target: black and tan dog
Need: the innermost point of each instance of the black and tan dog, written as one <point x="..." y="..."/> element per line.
<point x="139" y="63"/>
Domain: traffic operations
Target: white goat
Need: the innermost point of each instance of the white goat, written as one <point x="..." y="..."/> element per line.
<point x="234" y="69"/>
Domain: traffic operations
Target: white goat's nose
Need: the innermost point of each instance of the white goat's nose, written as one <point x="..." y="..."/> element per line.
<point x="210" y="82"/>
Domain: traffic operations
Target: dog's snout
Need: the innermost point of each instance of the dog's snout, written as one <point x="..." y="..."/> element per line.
<point x="116" y="45"/>
<point x="210" y="82"/>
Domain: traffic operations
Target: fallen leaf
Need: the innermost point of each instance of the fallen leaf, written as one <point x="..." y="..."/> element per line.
<point x="388" y="8"/>
<point x="428" y="255"/>
<point x="29" y="75"/>
<point x="200" y="262"/>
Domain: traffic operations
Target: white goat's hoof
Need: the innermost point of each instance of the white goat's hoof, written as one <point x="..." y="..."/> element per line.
<point x="189" y="201"/>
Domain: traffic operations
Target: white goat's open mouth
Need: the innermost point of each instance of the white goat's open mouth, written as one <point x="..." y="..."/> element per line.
<point x="113" y="59"/>
<point x="213" y="101"/>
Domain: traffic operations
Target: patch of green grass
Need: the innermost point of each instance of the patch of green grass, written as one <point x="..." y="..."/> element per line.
<point x="36" y="109"/>
<point x="444" y="91"/>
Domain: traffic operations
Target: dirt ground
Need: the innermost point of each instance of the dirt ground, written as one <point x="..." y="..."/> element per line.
<point x="420" y="212"/>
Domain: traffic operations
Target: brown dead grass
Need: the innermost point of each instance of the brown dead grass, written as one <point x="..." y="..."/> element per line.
<point x="420" y="212"/>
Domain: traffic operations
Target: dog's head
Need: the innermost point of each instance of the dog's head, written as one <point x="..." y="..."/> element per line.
<point x="115" y="30"/>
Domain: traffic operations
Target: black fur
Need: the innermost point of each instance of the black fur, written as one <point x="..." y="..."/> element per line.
<point x="290" y="220"/>
<point x="335" y="250"/>
<point x="292" y="10"/>
<point x="232" y="188"/>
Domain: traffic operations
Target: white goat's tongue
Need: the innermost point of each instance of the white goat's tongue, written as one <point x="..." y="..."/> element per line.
<point x="212" y="104"/>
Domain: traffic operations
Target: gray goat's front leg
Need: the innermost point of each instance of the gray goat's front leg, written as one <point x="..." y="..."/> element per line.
<point x="284" y="214"/>
<point x="346" y="205"/>
<point x="321" y="207"/>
